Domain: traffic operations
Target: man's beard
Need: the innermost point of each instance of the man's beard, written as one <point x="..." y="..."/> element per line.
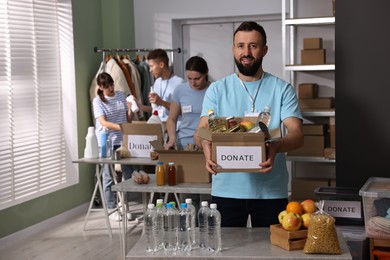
<point x="249" y="70"/>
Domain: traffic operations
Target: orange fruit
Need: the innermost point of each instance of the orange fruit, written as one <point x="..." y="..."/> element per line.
<point x="294" y="206"/>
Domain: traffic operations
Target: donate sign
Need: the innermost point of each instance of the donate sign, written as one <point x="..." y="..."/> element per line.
<point x="139" y="146"/>
<point x="239" y="157"/>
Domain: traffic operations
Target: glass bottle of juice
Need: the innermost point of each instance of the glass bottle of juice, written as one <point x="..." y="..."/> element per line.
<point x="171" y="174"/>
<point x="160" y="174"/>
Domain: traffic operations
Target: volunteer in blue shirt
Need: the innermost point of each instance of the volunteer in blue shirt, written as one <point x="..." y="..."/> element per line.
<point x="262" y="194"/>
<point x="187" y="102"/>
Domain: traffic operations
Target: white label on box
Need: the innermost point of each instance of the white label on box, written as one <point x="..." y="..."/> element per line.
<point x="139" y="145"/>
<point x="239" y="157"/>
<point x="343" y="209"/>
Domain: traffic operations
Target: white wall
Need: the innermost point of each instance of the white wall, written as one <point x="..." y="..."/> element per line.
<point x="153" y="18"/>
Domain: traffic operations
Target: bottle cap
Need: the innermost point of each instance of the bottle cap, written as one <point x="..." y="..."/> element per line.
<point x="205" y="203"/>
<point x="183" y="205"/>
<point x="171" y="163"/>
<point x="213" y="205"/>
<point x="168" y="205"/>
<point x="160" y="163"/>
<point x="188" y="200"/>
<point x="159" y="201"/>
<point x="151" y="206"/>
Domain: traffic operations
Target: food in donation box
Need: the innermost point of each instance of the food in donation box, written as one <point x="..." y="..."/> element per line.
<point x="321" y="234"/>
<point x="140" y="177"/>
<point x="231" y="124"/>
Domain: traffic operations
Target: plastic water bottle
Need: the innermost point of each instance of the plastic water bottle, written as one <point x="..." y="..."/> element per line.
<point x="203" y="227"/>
<point x="109" y="147"/>
<point x="103" y="142"/>
<point x="91" y="144"/>
<point x="265" y="116"/>
<point x="192" y="210"/>
<point x="150" y="228"/>
<point x="170" y="229"/>
<point x="184" y="236"/>
<point x="214" y="229"/>
<point x="160" y="211"/>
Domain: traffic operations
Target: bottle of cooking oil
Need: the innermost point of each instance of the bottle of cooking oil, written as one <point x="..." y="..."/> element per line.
<point x="216" y="124"/>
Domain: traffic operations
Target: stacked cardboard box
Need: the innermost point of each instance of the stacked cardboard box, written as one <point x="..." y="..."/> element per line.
<point x="314" y="138"/>
<point x="313" y="53"/>
<point x="308" y="97"/>
<point x="330" y="152"/>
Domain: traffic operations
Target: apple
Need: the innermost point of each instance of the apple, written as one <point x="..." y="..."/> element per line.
<point x="308" y="206"/>
<point x="281" y="216"/>
<point x="306" y="220"/>
<point x="246" y="124"/>
<point x="292" y="221"/>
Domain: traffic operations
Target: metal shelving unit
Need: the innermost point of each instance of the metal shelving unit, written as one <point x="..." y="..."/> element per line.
<point x="290" y="24"/>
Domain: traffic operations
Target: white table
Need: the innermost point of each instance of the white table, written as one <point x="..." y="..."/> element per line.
<point x="98" y="173"/>
<point x="240" y="243"/>
<point x="130" y="186"/>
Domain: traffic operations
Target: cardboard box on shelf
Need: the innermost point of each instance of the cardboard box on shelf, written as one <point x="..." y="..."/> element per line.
<point x="332" y="131"/>
<point x="317" y="103"/>
<point x="312" y="43"/>
<point x="190" y="165"/>
<point x="330" y="153"/>
<point x="289" y="240"/>
<point x="313" y="129"/>
<point x="137" y="137"/>
<point x="307" y="90"/>
<point x="238" y="151"/>
<point x="313" y="146"/>
<point x="304" y="188"/>
<point x="313" y="57"/>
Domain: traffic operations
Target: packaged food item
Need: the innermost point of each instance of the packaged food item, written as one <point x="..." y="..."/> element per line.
<point x="216" y="124"/>
<point x="321" y="234"/>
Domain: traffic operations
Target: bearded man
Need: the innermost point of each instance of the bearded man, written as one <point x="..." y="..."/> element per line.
<point x="259" y="195"/>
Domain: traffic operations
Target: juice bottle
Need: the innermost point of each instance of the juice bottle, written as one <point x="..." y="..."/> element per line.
<point x="160" y="174"/>
<point x="171" y="174"/>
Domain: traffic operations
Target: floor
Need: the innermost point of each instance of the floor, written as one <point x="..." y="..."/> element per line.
<point x="69" y="241"/>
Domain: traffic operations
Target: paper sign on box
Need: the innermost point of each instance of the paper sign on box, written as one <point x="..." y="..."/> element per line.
<point x="239" y="157"/>
<point x="139" y="146"/>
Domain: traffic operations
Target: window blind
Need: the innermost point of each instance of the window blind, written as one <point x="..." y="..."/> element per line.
<point x="38" y="132"/>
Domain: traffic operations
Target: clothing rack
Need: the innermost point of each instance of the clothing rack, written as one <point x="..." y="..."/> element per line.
<point x="104" y="50"/>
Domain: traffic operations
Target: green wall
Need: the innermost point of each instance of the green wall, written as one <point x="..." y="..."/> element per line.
<point x="103" y="23"/>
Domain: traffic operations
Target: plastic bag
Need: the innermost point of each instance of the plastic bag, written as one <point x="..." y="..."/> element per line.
<point x="321" y="234"/>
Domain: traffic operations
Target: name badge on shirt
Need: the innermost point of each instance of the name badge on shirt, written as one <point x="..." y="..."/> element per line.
<point x="120" y="105"/>
<point x="251" y="114"/>
<point x="186" y="109"/>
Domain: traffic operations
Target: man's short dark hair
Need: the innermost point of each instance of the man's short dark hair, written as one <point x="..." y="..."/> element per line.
<point x="248" y="26"/>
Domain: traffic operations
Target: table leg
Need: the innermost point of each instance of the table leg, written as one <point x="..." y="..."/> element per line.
<point x="98" y="185"/>
<point x="123" y="223"/>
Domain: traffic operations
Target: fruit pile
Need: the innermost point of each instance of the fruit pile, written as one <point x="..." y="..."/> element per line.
<point x="297" y="215"/>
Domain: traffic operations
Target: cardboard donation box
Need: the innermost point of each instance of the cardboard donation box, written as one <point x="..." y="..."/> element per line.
<point x="237" y="151"/>
<point x="289" y="240"/>
<point x="137" y="137"/>
<point x="190" y="165"/>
